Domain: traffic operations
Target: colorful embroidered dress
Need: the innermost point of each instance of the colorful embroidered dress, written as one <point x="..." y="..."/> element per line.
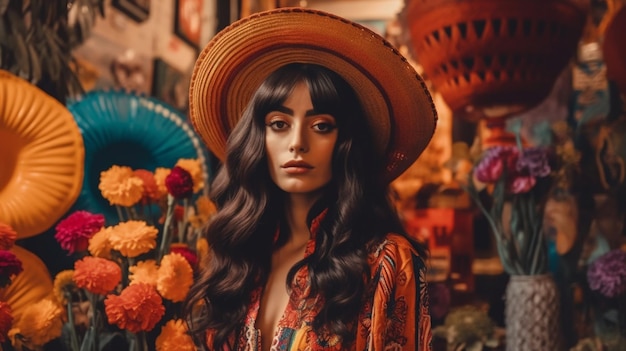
<point x="395" y="317"/>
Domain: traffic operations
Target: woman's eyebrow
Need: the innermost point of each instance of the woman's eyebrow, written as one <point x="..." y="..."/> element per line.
<point x="289" y="111"/>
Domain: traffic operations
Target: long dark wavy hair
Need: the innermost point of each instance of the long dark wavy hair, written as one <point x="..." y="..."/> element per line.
<point x="241" y="234"/>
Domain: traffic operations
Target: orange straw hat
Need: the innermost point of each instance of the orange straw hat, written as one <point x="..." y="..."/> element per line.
<point x="397" y="104"/>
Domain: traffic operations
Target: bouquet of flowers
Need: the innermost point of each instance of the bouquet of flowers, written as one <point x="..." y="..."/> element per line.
<point x="516" y="177"/>
<point x="127" y="286"/>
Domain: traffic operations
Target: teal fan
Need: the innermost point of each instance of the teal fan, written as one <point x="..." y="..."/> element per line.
<point x="122" y="128"/>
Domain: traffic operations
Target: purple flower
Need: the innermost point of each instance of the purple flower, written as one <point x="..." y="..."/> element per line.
<point x="607" y="274"/>
<point x="534" y="162"/>
<point x="496" y="158"/>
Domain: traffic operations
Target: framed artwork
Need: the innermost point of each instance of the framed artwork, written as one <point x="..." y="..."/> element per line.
<point x="138" y="10"/>
<point x="188" y="21"/>
<point x="170" y="85"/>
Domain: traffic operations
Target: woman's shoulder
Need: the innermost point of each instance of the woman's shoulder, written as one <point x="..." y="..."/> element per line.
<point x="396" y="251"/>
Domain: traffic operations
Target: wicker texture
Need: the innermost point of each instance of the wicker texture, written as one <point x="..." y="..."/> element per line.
<point x="532" y="314"/>
<point x="486" y="53"/>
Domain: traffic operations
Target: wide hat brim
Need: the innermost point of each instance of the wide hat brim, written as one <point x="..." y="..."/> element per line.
<point x="399" y="109"/>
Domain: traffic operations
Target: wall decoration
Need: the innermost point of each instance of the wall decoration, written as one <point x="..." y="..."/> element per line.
<point x="110" y="65"/>
<point x="138" y="10"/>
<point x="188" y="21"/>
<point x="170" y="85"/>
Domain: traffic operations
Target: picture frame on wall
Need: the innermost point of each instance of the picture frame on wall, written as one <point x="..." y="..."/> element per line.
<point x="138" y="10"/>
<point x="170" y="85"/>
<point x="188" y="21"/>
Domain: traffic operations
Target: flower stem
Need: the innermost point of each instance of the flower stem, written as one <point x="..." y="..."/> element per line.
<point x="70" y="320"/>
<point x="165" y="239"/>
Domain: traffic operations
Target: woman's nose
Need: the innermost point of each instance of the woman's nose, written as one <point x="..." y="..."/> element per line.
<point x="299" y="141"/>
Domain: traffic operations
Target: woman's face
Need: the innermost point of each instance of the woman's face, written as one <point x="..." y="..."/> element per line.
<point x="299" y="142"/>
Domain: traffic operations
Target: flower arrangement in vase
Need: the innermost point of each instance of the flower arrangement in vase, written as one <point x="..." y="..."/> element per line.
<point x="130" y="278"/>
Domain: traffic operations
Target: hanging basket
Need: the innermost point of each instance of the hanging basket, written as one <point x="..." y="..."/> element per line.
<point x="490" y="53"/>
<point x="532" y="314"/>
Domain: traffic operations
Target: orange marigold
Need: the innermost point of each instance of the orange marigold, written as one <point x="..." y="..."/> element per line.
<point x="7" y="236"/>
<point x="97" y="275"/>
<point x="175" y="277"/>
<point x="99" y="244"/>
<point x="144" y="272"/>
<point x="206" y="209"/>
<point x="133" y="238"/>
<point x="120" y="186"/>
<point x="6" y="320"/>
<point x="138" y="308"/>
<point x="159" y="177"/>
<point x="63" y="284"/>
<point x="150" y="188"/>
<point x="174" y="336"/>
<point x="41" y="322"/>
<point x="194" y="167"/>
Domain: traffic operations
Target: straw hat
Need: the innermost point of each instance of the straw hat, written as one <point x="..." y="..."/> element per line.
<point x="399" y="108"/>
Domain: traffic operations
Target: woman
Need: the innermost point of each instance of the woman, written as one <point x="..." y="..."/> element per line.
<point x="307" y="252"/>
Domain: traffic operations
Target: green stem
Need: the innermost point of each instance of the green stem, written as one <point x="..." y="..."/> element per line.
<point x="70" y="320"/>
<point x="165" y="239"/>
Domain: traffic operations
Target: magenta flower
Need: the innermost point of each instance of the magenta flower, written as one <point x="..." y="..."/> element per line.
<point x="187" y="253"/>
<point x="73" y="233"/>
<point x="10" y="266"/>
<point x="179" y="183"/>
<point x="607" y="274"/>
<point x="496" y="158"/>
<point x="534" y="162"/>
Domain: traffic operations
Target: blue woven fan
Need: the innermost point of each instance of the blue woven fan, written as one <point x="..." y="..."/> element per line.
<point x="121" y="128"/>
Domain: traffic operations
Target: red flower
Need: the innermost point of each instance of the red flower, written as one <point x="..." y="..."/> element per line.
<point x="138" y="308"/>
<point x="6" y="320"/>
<point x="187" y="253"/>
<point x="495" y="161"/>
<point x="179" y="183"/>
<point x="73" y="233"/>
<point x="10" y="266"/>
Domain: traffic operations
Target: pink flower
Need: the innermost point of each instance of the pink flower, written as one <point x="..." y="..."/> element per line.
<point x="10" y="266"/>
<point x="496" y="158"/>
<point x="179" y="183"/>
<point x="521" y="184"/>
<point x="73" y="233"/>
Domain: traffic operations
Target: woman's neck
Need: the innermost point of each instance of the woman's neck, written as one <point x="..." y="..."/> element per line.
<point x="297" y="207"/>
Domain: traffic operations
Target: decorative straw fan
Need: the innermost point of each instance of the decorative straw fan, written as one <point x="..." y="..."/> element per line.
<point x="121" y="128"/>
<point x="41" y="157"/>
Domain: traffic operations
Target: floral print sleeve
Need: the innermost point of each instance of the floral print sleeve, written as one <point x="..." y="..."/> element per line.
<point x="396" y="317"/>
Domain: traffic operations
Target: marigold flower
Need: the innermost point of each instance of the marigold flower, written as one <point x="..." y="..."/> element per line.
<point x="120" y="186"/>
<point x="73" y="233"/>
<point x="138" y="308"/>
<point x="186" y="252"/>
<point x="202" y="248"/>
<point x="159" y="177"/>
<point x="6" y="320"/>
<point x="175" y="277"/>
<point x="194" y="167"/>
<point x="99" y="244"/>
<point x="7" y="236"/>
<point x="179" y="183"/>
<point x="145" y="272"/>
<point x="150" y="187"/>
<point x="133" y="238"/>
<point x="41" y="322"/>
<point x="97" y="275"/>
<point x="10" y="266"/>
<point x="206" y="209"/>
<point x="63" y="281"/>
<point x="174" y="336"/>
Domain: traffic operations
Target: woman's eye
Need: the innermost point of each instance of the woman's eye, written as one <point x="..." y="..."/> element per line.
<point x="277" y="125"/>
<point x="323" y="127"/>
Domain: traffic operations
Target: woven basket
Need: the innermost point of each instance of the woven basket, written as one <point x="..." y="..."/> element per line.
<point x="532" y="314"/>
<point x="489" y="53"/>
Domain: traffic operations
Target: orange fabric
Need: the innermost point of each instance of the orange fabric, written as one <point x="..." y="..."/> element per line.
<point x="30" y="286"/>
<point x="395" y="317"/>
